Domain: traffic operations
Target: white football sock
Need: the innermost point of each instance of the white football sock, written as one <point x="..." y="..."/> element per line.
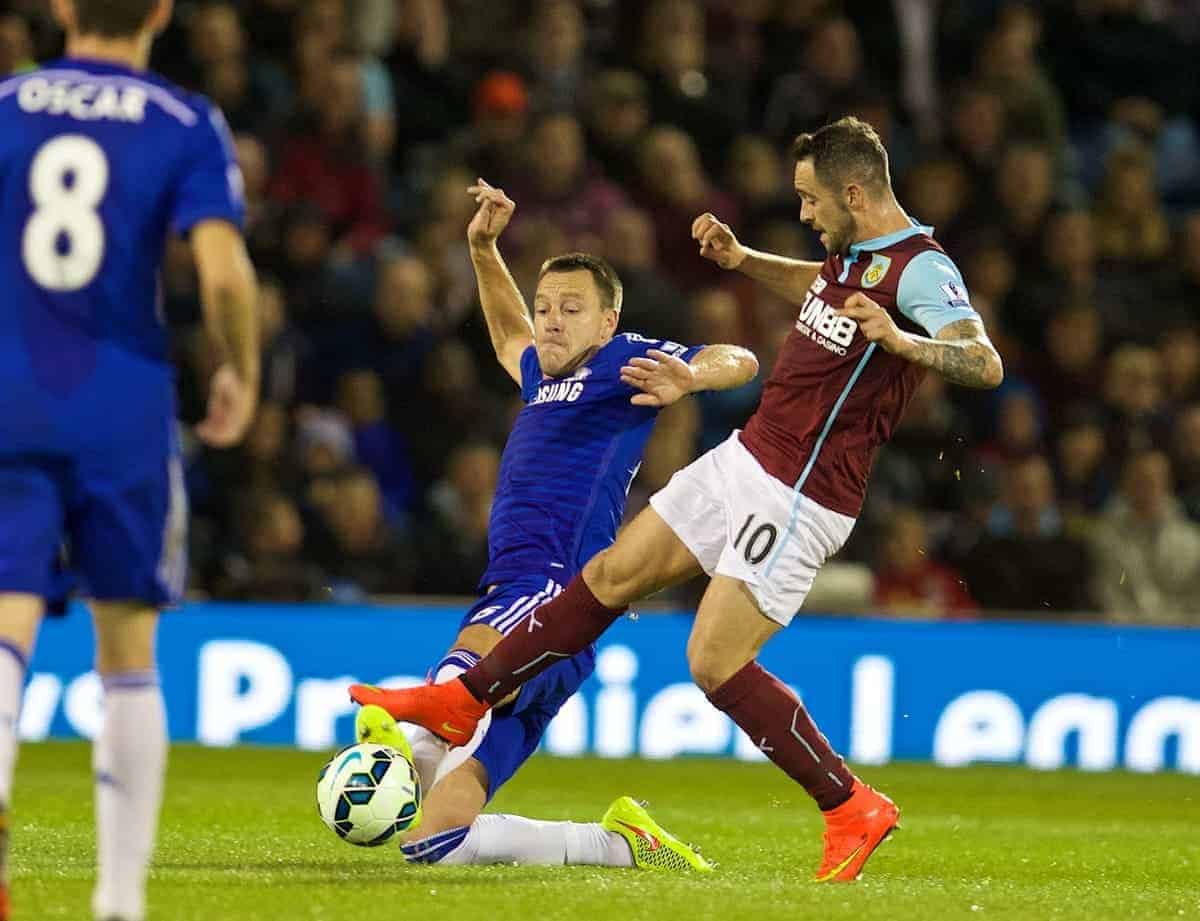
<point x="129" y="759"/>
<point x="433" y="758"/>
<point x="12" y="686"/>
<point x="428" y="751"/>
<point x="492" y="839"/>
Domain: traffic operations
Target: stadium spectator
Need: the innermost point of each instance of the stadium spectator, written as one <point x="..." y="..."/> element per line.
<point x="453" y="404"/>
<point x="758" y="182"/>
<point x="557" y="64"/>
<point x="365" y="556"/>
<point x="1069" y="365"/>
<point x="1131" y="227"/>
<point x="1179" y="351"/>
<point x="832" y="82"/>
<point x="1054" y="153"/>
<point x="716" y="317"/>
<point x="285" y="350"/>
<point x="1185" y="455"/>
<point x="676" y="189"/>
<point x="269" y="565"/>
<point x="939" y="192"/>
<point x="454" y="545"/>
<point x="977" y="131"/>
<point x="1082" y="467"/>
<point x="16" y="44"/>
<point x="378" y="445"/>
<point x="501" y="118"/>
<point x="909" y="581"/>
<point x="1179" y="290"/>
<point x="1071" y="273"/>
<point x="618" y="114"/>
<point x="1026" y="562"/>
<point x="561" y="186"/>
<point x="684" y="92"/>
<point x="1024" y="192"/>
<point x="652" y="303"/>
<point x="322" y="159"/>
<point x="1009" y="64"/>
<point x="1147" y="552"/>
<point x="1133" y="393"/>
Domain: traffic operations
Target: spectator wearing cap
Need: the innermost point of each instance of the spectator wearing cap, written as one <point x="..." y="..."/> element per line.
<point x="500" y="120"/>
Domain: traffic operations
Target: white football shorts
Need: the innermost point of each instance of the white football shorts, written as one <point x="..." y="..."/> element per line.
<point x="741" y="522"/>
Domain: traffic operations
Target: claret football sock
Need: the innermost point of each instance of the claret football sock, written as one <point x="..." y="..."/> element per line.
<point x="557" y="630"/>
<point x="776" y="721"/>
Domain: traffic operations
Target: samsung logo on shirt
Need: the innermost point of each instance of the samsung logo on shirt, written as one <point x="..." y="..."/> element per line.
<point x="558" y="392"/>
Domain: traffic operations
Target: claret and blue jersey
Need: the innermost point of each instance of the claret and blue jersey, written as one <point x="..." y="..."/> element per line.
<point x="98" y="164"/>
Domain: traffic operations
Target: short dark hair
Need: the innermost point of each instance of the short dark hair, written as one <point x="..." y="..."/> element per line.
<point x="112" y="18"/>
<point x="847" y="150"/>
<point x="603" y="274"/>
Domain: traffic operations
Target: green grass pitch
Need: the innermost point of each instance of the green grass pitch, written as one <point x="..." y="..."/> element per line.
<point x="241" y="840"/>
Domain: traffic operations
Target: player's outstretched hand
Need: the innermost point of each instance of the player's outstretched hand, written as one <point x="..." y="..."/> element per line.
<point x="717" y="241"/>
<point x="495" y="210"/>
<point x="873" y="321"/>
<point x="661" y="378"/>
<point x="230" y="409"/>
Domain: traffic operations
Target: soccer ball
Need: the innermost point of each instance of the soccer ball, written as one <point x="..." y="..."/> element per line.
<point x="367" y="793"/>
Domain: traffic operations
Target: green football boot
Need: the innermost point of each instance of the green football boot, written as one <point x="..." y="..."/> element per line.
<point x="654" y="848"/>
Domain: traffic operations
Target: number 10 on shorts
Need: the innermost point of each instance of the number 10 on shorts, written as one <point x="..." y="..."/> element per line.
<point x="758" y="540"/>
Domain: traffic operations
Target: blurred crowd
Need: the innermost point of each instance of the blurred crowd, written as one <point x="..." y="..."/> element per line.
<point x="1054" y="146"/>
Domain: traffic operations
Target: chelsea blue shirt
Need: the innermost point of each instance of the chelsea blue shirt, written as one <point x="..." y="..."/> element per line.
<point x="569" y="462"/>
<point x="98" y="164"/>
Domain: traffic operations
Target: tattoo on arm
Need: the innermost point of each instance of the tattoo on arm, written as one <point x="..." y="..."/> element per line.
<point x="961" y="353"/>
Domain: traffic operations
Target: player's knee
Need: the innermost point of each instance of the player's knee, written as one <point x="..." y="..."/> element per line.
<point x="125" y="637"/>
<point x="709" y="667"/>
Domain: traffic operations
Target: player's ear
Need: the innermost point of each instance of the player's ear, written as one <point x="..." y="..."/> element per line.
<point x="160" y="16"/>
<point x="853" y="196"/>
<point x="64" y="15"/>
<point x="609" y="320"/>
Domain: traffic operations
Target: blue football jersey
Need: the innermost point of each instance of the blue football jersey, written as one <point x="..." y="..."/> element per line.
<point x="569" y="462"/>
<point x="98" y="164"/>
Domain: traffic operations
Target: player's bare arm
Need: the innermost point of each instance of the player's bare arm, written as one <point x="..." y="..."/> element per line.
<point x="789" y="278"/>
<point x="228" y="291"/>
<point x="961" y="352"/>
<point x="664" y="379"/>
<point x="504" y="309"/>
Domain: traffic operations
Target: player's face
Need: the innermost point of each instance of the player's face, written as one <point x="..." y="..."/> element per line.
<point x="569" y="321"/>
<point x="824" y="209"/>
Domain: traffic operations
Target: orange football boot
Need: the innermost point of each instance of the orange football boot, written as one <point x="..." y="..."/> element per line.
<point x="852" y="832"/>
<point x="447" y="710"/>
